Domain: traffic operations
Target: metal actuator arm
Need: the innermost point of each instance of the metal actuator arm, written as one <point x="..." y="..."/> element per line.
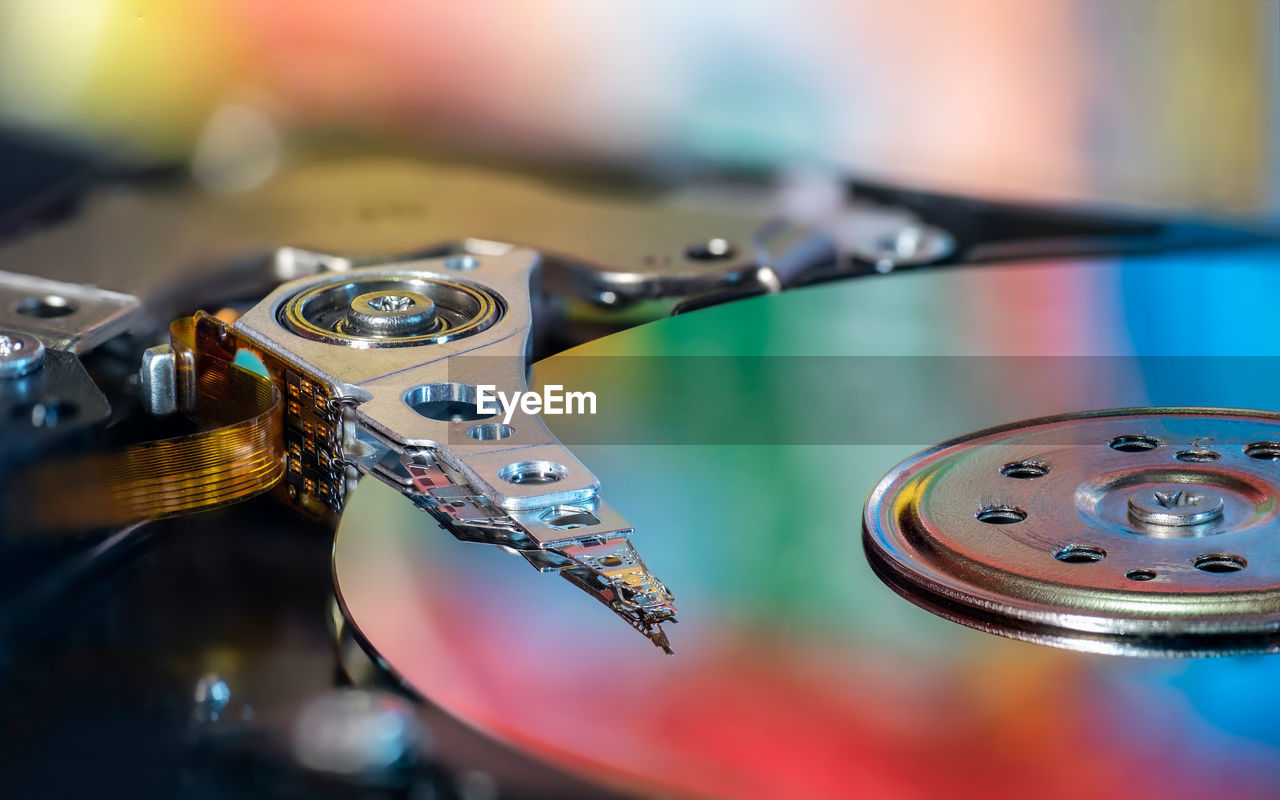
<point x="396" y="352"/>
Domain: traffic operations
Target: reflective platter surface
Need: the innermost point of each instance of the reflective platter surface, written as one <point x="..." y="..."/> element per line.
<point x="742" y="442"/>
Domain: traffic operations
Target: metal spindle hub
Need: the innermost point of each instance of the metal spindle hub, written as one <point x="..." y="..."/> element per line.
<point x="1152" y="531"/>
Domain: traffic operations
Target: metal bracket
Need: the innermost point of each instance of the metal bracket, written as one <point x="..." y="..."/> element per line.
<point x="414" y="378"/>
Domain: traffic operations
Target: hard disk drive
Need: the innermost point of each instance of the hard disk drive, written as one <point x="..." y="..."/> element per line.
<point x="854" y="489"/>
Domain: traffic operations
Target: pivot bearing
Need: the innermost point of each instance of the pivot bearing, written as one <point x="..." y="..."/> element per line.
<point x="390" y="311"/>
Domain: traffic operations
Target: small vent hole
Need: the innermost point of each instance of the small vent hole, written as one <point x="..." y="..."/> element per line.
<point x="1197" y="456"/>
<point x="1263" y="451"/>
<point x="1001" y="515"/>
<point x="1080" y="554"/>
<point x="1134" y="443"/>
<point x="1219" y="562"/>
<point x="1025" y="470"/>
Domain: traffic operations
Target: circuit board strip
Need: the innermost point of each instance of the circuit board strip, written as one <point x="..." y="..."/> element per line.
<point x="238" y="453"/>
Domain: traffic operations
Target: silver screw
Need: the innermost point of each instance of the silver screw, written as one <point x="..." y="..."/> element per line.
<point x="392" y="302"/>
<point x="390" y="314"/>
<point x="1174" y="505"/>
<point x="1179" y="499"/>
<point x="20" y="354"/>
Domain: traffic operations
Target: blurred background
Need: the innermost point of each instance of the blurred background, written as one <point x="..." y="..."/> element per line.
<point x="1170" y="103"/>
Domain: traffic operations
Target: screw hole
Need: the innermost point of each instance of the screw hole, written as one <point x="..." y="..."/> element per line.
<point x="1263" y="451"/>
<point x="46" y="307"/>
<point x="568" y="517"/>
<point x="46" y="414"/>
<point x="446" y="402"/>
<point x="610" y="561"/>
<point x="1218" y="562"/>
<point x="1025" y="470"/>
<point x="1080" y="554"/>
<point x="1134" y="443"/>
<point x="1140" y="575"/>
<point x="461" y="263"/>
<point x="1197" y="456"/>
<point x="710" y="250"/>
<point x="533" y="472"/>
<point x="490" y="431"/>
<point x="1001" y="515"/>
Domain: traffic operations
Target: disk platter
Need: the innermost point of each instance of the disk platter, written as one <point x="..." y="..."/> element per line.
<point x="742" y="442"/>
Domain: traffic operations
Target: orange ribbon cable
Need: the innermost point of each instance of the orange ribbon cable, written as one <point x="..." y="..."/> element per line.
<point x="238" y="453"/>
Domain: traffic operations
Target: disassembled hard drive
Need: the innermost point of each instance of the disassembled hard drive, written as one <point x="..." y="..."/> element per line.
<point x="223" y="412"/>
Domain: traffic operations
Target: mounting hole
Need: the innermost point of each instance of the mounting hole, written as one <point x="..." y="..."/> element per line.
<point x="1197" y="456"/>
<point x="1140" y="575"/>
<point x="567" y="517"/>
<point x="1134" y="443"/>
<point x="1219" y="562"/>
<point x="1025" y="470"/>
<point x="461" y="263"/>
<point x="46" y="414"/>
<point x="610" y="561"/>
<point x="1001" y="515"/>
<point x="51" y="305"/>
<point x="1080" y="554"/>
<point x="1263" y="451"/>
<point x="447" y="402"/>
<point x="533" y="472"/>
<point x="490" y="431"/>
<point x="710" y="250"/>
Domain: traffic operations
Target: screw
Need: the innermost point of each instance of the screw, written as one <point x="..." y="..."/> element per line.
<point x="20" y="354"/>
<point x="391" y="302"/>
<point x="1174" y="505"/>
<point x="390" y="314"/>
<point x="1178" y="499"/>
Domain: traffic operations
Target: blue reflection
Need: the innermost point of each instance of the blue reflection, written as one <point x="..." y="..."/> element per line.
<point x="1214" y="311"/>
<point x="1204" y="326"/>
